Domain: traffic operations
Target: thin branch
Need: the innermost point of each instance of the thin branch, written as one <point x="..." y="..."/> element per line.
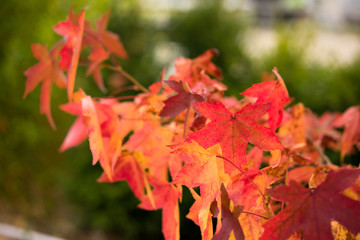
<point x="255" y="214"/>
<point x="186" y="123"/>
<point x="325" y="158"/>
<point x="117" y="98"/>
<point x="242" y="171"/>
<point x="120" y="70"/>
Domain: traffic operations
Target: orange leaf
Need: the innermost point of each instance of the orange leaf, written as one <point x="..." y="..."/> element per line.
<point x="166" y="198"/>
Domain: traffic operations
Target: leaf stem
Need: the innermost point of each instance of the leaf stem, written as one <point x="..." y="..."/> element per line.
<point x="186" y="122"/>
<point x="325" y="158"/>
<point x="120" y="70"/>
<point x="255" y="214"/>
<point x="117" y="98"/>
<point x="242" y="171"/>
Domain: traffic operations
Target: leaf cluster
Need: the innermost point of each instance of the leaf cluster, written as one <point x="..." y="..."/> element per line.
<point x="256" y="165"/>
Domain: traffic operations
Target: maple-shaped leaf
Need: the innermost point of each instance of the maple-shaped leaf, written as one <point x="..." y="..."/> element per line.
<point x="46" y="71"/>
<point x="292" y="132"/>
<point x="152" y="141"/>
<point x="200" y="169"/>
<point x="320" y="130"/>
<point x="131" y="167"/>
<point x="312" y="210"/>
<point x="104" y="133"/>
<point x="234" y="131"/>
<point x="96" y="57"/>
<point x="201" y="215"/>
<point x="274" y="92"/>
<point x="182" y="100"/>
<point x="351" y="121"/>
<point x="229" y="219"/>
<point x="72" y="30"/>
<point x="110" y="40"/>
<point x="166" y="198"/>
<point x="189" y="70"/>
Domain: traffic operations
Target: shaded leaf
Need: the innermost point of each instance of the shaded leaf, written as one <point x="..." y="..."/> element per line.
<point x="312" y="210"/>
<point x="182" y="100"/>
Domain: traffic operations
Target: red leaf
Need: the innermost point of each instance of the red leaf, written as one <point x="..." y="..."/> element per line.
<point x="110" y="40"/>
<point x="96" y="57"/>
<point x="234" y="131"/>
<point x="189" y="70"/>
<point x="129" y="167"/>
<point x="166" y="198"/>
<point x="46" y="71"/>
<point x="78" y="131"/>
<point x="181" y="101"/>
<point x="312" y="210"/>
<point x="105" y="138"/>
<point x="72" y="29"/>
<point x="273" y="92"/>
<point x="351" y="121"/>
<point x="229" y="219"/>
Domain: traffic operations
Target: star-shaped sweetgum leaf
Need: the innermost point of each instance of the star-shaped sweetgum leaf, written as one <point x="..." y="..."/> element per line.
<point x="189" y="70"/>
<point x="109" y="39"/>
<point x="229" y="219"/>
<point x="46" y="71"/>
<point x="274" y="92"/>
<point x="234" y="131"/>
<point x="312" y="210"/>
<point x="182" y="100"/>
<point x="350" y="119"/>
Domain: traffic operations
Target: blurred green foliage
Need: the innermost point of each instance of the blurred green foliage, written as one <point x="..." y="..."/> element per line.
<point x="320" y="87"/>
<point x="58" y="193"/>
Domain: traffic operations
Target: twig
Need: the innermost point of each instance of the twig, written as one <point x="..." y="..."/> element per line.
<point x="255" y="214"/>
<point x="242" y="171"/>
<point x="120" y="70"/>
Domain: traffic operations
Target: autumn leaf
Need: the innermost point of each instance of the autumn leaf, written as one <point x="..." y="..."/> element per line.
<point x="72" y="30"/>
<point x="110" y="40"/>
<point x="312" y="210"/>
<point x="234" y="131"/>
<point x="292" y="132"/>
<point x="229" y="219"/>
<point x="132" y="168"/>
<point x="105" y="136"/>
<point x="78" y="131"/>
<point x="46" y="72"/>
<point x="201" y="215"/>
<point x="182" y="100"/>
<point x="96" y="57"/>
<point x="274" y="92"/>
<point x="351" y="121"/>
<point x="201" y="169"/>
<point x="189" y="70"/>
<point x="166" y="198"/>
<point x="152" y="141"/>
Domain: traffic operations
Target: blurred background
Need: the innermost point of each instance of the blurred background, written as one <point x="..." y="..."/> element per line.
<point x="315" y="44"/>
